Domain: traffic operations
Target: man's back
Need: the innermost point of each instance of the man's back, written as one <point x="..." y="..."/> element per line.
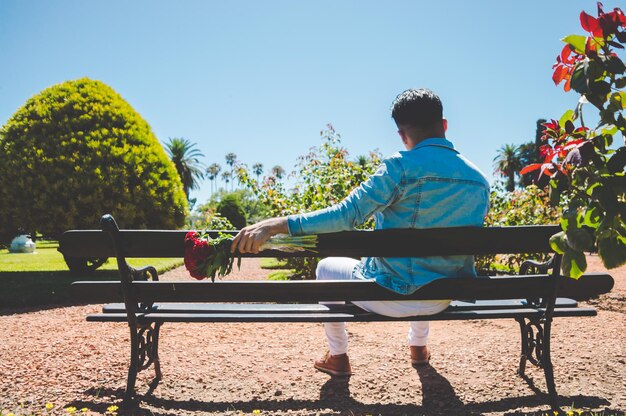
<point x="436" y="187"/>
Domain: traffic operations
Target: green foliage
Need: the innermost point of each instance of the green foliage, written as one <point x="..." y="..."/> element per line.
<point x="230" y="208"/>
<point x="529" y="206"/>
<point x="254" y="210"/>
<point x="210" y="220"/>
<point x="325" y="176"/>
<point x="78" y="150"/>
<point x="582" y="167"/>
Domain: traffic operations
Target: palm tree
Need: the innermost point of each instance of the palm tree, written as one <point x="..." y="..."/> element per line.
<point x="257" y="169"/>
<point x="185" y="157"/>
<point x="362" y="161"/>
<point x="231" y="159"/>
<point x="212" y="171"/>
<point x="278" y="171"/>
<point x="226" y="178"/>
<point x="507" y="163"/>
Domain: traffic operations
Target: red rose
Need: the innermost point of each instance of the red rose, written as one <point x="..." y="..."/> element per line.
<point x="197" y="251"/>
<point x="190" y="237"/>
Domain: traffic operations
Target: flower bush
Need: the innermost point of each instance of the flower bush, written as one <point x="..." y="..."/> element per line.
<point x="324" y="176"/>
<point x="581" y="164"/>
<point x="528" y="206"/>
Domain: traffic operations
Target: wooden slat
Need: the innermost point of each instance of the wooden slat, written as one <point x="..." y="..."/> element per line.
<point x="277" y="308"/>
<point x="381" y="243"/>
<point x="340" y="317"/>
<point x="312" y="291"/>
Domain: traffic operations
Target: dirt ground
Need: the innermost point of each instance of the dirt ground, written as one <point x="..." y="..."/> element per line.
<point x="52" y="355"/>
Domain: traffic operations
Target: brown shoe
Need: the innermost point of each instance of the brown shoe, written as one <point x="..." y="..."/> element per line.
<point x="419" y="355"/>
<point x="335" y="365"/>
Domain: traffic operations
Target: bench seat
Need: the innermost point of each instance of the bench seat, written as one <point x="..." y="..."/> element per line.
<point x="219" y="312"/>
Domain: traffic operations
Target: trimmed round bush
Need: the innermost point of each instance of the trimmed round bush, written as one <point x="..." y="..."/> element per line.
<point x="78" y="150"/>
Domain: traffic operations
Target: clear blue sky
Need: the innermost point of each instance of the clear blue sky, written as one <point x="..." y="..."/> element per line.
<point x="262" y="78"/>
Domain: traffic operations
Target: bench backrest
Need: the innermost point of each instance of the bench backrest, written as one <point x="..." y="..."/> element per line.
<point x="382" y="243"/>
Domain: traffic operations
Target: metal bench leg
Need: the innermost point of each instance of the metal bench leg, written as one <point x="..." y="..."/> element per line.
<point x="546" y="361"/>
<point x="155" y="353"/>
<point x="524" y="350"/>
<point x="133" y="369"/>
<point x="144" y="351"/>
<point x="535" y="336"/>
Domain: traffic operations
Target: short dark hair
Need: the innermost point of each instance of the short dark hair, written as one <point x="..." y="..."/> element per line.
<point x="417" y="108"/>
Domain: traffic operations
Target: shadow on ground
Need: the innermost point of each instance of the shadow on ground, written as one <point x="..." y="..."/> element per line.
<point x="32" y="291"/>
<point x="439" y="398"/>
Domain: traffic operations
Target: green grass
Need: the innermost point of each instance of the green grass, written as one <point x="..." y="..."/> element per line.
<point x="42" y="278"/>
<point x="48" y="259"/>
<point x="273" y="264"/>
<point x="280" y="267"/>
<point x="280" y="275"/>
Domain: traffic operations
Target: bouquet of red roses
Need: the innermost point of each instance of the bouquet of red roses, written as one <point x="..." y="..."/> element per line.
<point x="206" y="256"/>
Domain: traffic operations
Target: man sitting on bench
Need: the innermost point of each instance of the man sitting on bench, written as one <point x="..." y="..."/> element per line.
<point x="429" y="185"/>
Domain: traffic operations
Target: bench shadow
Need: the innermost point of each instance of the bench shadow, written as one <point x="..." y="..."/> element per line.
<point x="334" y="395"/>
<point x="438" y="398"/>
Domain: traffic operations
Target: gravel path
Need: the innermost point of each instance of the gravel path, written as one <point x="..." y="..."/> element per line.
<point x="53" y="355"/>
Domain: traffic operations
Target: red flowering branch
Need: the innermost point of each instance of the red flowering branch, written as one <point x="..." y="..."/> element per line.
<point x="581" y="165"/>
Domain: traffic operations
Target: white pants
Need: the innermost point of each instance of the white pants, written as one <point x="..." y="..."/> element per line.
<point x="341" y="268"/>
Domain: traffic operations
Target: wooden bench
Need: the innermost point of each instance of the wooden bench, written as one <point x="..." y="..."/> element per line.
<point x="145" y="303"/>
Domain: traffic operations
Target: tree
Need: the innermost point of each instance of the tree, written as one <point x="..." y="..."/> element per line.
<point x="78" y="150"/>
<point x="231" y="159"/>
<point x="585" y="169"/>
<point x="278" y="171"/>
<point x="185" y="157"/>
<point x="226" y="178"/>
<point x="254" y="210"/>
<point x="231" y="209"/>
<point x="507" y="163"/>
<point x="212" y="173"/>
<point x="257" y="169"/>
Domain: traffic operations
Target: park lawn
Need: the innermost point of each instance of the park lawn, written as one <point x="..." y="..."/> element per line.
<point x="42" y="278"/>
<point x="48" y="259"/>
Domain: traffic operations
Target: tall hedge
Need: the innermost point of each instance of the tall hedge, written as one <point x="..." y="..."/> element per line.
<point x="78" y="150"/>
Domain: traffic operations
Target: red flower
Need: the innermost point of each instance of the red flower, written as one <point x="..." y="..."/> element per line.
<point x="197" y="250"/>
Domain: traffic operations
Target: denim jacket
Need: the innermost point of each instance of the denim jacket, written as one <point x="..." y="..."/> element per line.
<point x="429" y="186"/>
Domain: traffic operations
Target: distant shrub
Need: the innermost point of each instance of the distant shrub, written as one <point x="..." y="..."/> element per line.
<point x="210" y="220"/>
<point x="231" y="209"/>
<point x="254" y="210"/>
<point x="78" y="150"/>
